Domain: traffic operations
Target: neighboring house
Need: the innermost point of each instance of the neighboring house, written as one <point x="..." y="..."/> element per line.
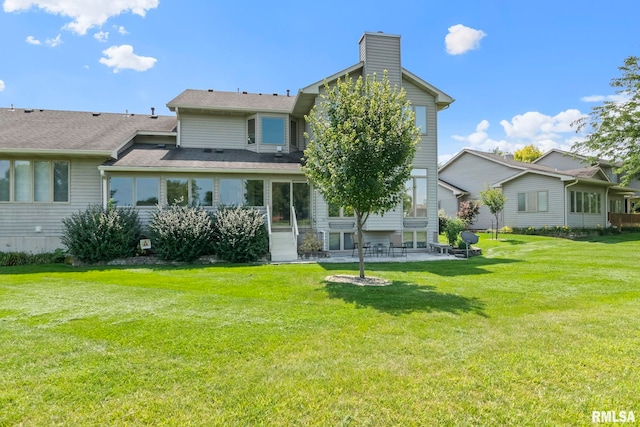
<point x="549" y="192"/>
<point x="227" y="148"/>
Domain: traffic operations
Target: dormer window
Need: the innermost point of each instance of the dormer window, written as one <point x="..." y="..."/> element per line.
<point x="293" y="133"/>
<point x="251" y="131"/>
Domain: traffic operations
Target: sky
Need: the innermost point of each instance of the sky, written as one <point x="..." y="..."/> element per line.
<point x="520" y="71"/>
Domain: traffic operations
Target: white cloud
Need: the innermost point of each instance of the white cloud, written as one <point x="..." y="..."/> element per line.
<point x="84" y="14"/>
<point x="101" y="36"/>
<point x="33" y="40"/>
<point x="544" y="132"/>
<point x="54" y="42"/>
<point x="121" y="30"/>
<point x="618" y="98"/>
<point x="2" y="85"/>
<point x="123" y="58"/>
<point x="461" y="39"/>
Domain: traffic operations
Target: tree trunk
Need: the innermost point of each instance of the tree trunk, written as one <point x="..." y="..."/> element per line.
<point x="360" y="248"/>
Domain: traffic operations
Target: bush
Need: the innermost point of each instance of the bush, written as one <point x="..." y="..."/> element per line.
<point x="452" y="230"/>
<point x="442" y="221"/>
<point x="181" y="233"/>
<point x="101" y="235"/>
<point x="8" y="259"/>
<point x="469" y="211"/>
<point x="240" y="234"/>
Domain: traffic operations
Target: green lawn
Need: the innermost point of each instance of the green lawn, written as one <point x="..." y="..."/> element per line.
<point x="537" y="331"/>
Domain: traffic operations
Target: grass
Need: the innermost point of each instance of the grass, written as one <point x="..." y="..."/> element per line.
<point x="537" y="331"/>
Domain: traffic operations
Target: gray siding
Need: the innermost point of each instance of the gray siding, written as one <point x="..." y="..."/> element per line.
<point x="473" y="174"/>
<point x="553" y="216"/>
<point x="447" y="202"/>
<point x="561" y="161"/>
<point x="18" y="221"/>
<point x="213" y="131"/>
<point x="381" y="52"/>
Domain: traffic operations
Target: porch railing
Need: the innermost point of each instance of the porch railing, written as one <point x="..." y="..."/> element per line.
<point x="294" y="226"/>
<point x="269" y="226"/>
<point x="624" y="220"/>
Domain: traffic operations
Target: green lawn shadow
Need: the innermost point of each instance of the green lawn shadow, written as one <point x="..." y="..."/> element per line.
<point x="449" y="268"/>
<point x="404" y="298"/>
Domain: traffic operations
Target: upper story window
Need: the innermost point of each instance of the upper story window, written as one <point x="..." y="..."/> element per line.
<point x="415" y="194"/>
<point x="336" y="211"/>
<point x="273" y="130"/>
<point x="34" y="181"/>
<point x="251" y="131"/>
<point x="124" y="191"/>
<point x="533" y="201"/>
<point x="420" y="112"/>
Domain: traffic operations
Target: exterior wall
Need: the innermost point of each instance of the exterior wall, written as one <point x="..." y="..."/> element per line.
<point x="427" y="153"/>
<point x="447" y="202"/>
<point x="561" y="161"/>
<point x="553" y="216"/>
<point x="213" y="131"/>
<point x="584" y="220"/>
<point x="474" y="174"/>
<point x="18" y="221"/>
<point x="381" y="52"/>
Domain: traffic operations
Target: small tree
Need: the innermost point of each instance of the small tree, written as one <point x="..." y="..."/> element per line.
<point x="527" y="154"/>
<point x="452" y="230"/>
<point x="468" y="212"/>
<point x="494" y="200"/>
<point x="360" y="151"/>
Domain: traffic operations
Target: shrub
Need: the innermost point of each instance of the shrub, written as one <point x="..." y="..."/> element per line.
<point x="442" y="221"/>
<point x="453" y="229"/>
<point x="181" y="233"/>
<point x="468" y="211"/>
<point x="21" y="258"/>
<point x="100" y="235"/>
<point x="240" y="234"/>
<point x="311" y="243"/>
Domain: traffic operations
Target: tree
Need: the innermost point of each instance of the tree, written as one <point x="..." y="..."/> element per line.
<point x="494" y="200"/>
<point x="361" y="146"/>
<point x="468" y="212"/>
<point x="615" y="125"/>
<point x="527" y="154"/>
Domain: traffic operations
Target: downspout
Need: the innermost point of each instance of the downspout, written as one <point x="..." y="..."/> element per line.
<point x="606" y="208"/>
<point x="105" y="189"/>
<point x="566" y="196"/>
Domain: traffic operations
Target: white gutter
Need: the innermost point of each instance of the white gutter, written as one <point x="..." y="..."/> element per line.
<point x="198" y="170"/>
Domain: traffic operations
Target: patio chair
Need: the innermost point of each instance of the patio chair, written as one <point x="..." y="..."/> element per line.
<point x="395" y="242"/>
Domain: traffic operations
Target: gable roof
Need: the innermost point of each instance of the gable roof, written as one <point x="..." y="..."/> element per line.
<point x="581" y="157"/>
<point x="592" y="174"/>
<point x="457" y="191"/>
<point x="213" y="100"/>
<point x="72" y="132"/>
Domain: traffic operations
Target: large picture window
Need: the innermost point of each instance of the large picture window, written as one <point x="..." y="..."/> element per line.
<point x="240" y="192"/>
<point x="193" y="191"/>
<point x="273" y="130"/>
<point x="124" y="191"/>
<point x="34" y="181"/>
<point x="414" y="203"/>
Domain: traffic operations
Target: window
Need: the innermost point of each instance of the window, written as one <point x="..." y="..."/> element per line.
<point x="334" y="241"/>
<point x="585" y="202"/>
<point x="533" y="201"/>
<point x="345" y="238"/>
<point x="121" y="191"/>
<point x="239" y="192"/>
<point x="616" y="206"/>
<point x="293" y="133"/>
<point x="273" y="130"/>
<point x="37" y="181"/>
<point x="420" y="112"/>
<point x="251" y="131"/>
<point x="414" y="203"/>
<point x="194" y="191"/>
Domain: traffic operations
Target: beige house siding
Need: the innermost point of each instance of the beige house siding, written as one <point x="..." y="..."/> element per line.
<point x="18" y="221"/>
<point x="553" y="216"/>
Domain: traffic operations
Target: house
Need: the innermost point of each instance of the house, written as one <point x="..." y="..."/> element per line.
<point x="556" y="190"/>
<point x="227" y="148"/>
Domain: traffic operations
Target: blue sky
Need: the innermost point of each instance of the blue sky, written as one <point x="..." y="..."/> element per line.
<point x="520" y="71"/>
